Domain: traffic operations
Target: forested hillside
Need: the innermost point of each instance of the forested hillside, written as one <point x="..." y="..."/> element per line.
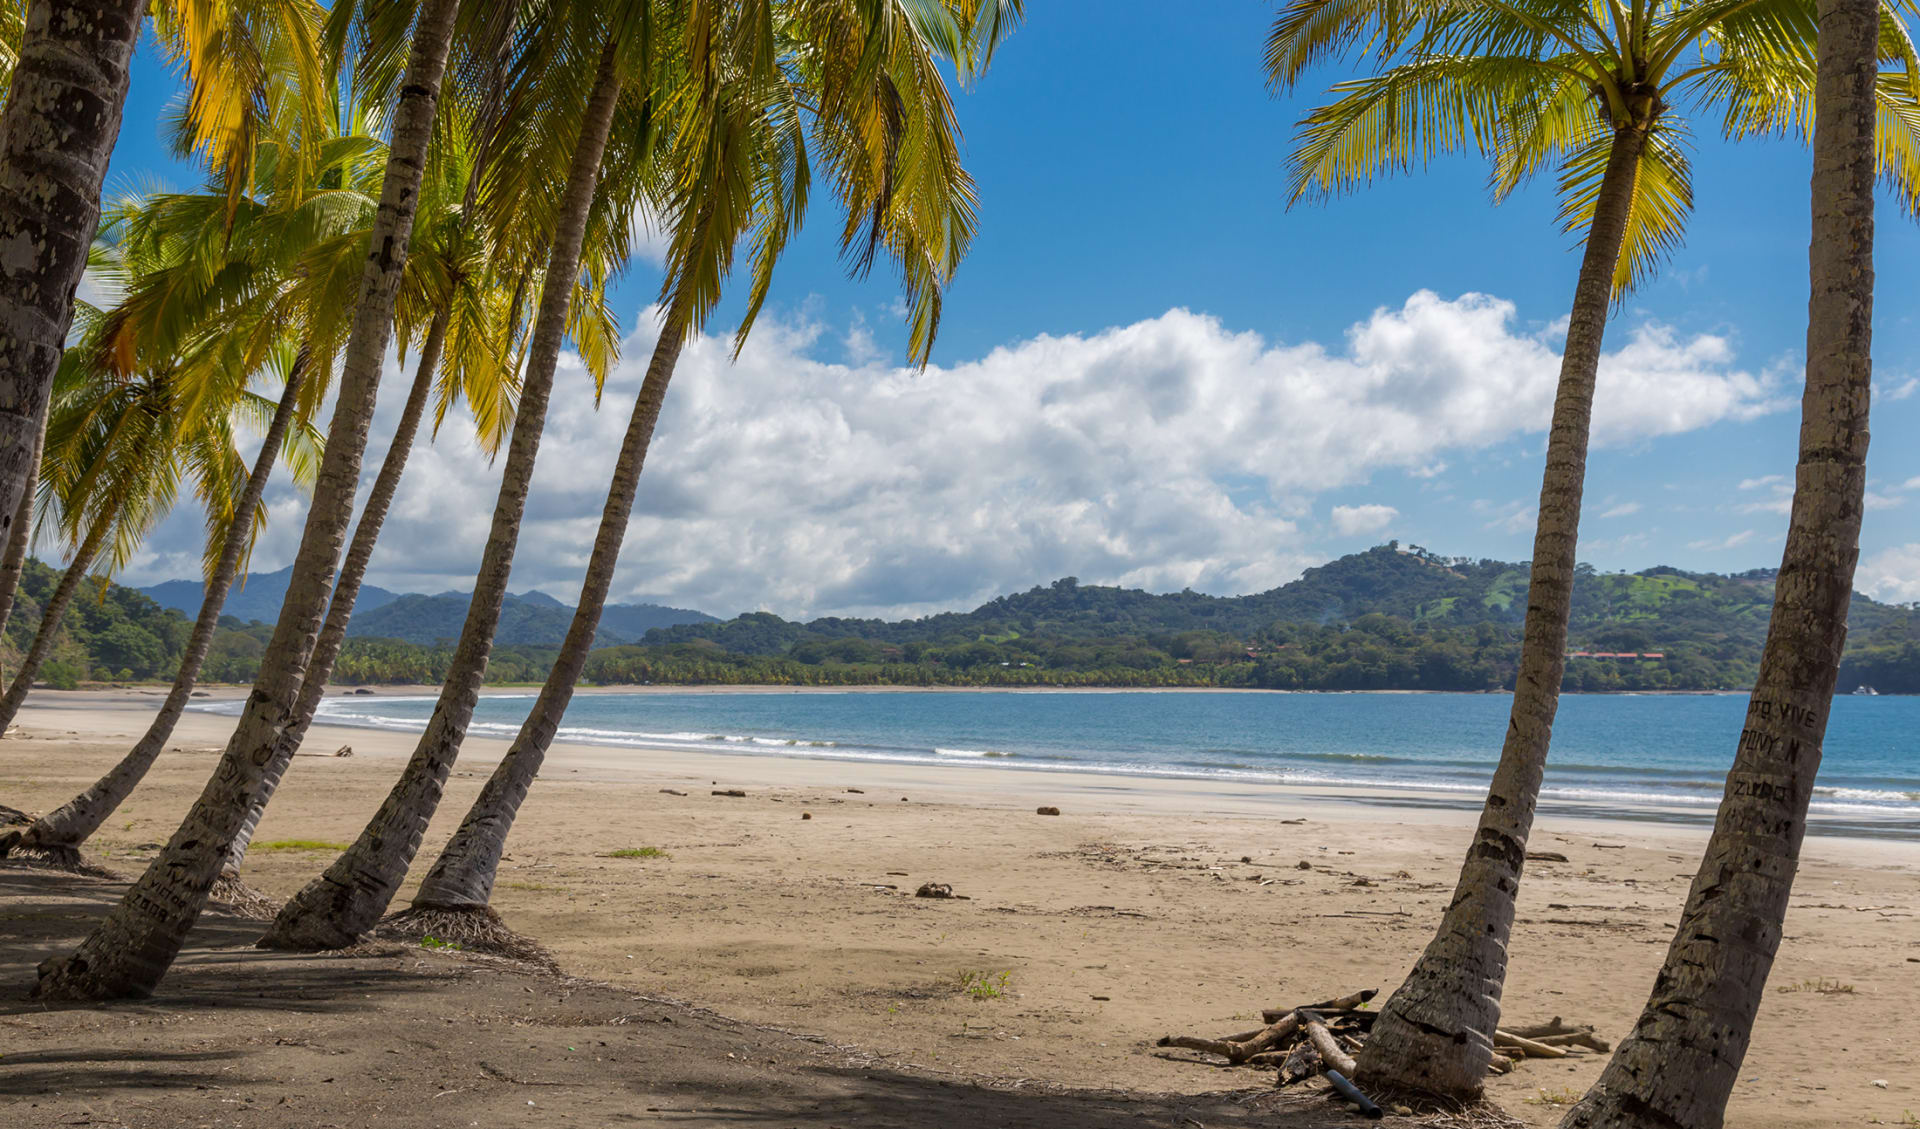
<point x="1390" y="618"/>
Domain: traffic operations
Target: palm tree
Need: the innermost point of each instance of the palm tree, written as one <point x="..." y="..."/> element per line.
<point x="56" y="132"/>
<point x="131" y="949"/>
<point x="454" y="898"/>
<point x="334" y="909"/>
<point x="478" y="308"/>
<point x="1680" y="1063"/>
<point x="68" y="83"/>
<point x="1533" y="83"/>
<point x="218" y="307"/>
<point x="118" y="445"/>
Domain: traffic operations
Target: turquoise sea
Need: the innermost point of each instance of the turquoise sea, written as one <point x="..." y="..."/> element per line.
<point x="1647" y="756"/>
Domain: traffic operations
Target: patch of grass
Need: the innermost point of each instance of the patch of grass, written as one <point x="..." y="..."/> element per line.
<point x="637" y="853"/>
<point x="1563" y="1096"/>
<point x="439" y="946"/>
<point x="535" y="886"/>
<point x="299" y="845"/>
<point x="985" y="985"/>
<point x="1822" y="985"/>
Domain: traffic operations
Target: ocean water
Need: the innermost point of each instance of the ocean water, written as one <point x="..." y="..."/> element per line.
<point x="1647" y="756"/>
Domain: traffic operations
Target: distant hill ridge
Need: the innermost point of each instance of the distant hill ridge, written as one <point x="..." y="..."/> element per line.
<point x="531" y="618"/>
<point x="1612" y="611"/>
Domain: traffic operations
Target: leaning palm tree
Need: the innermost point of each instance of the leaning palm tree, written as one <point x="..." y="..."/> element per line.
<point x="118" y="446"/>
<point x="218" y="308"/>
<point x="1531" y="84"/>
<point x="67" y="85"/>
<point x="476" y="281"/>
<point x="350" y="896"/>
<point x="454" y="898"/>
<point x="1680" y="1064"/>
<point x="131" y="949"/>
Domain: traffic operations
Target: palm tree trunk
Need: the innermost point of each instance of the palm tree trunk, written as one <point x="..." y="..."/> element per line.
<point x="1678" y="1066"/>
<point x="50" y="618"/>
<point x="129" y="952"/>
<point x="57" y="131"/>
<point x="346" y="590"/>
<point x="58" y="836"/>
<point x="345" y="901"/>
<point x="1435" y="1035"/>
<point x="462" y="879"/>
<point x="20" y="536"/>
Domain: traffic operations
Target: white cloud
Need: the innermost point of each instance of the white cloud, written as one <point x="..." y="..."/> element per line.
<point x="1764" y="480"/>
<point x="1891" y="575"/>
<point x="1516" y="516"/>
<point x="1168" y="453"/>
<point x="1876" y="500"/>
<point x="1911" y="484"/>
<point x="1892" y="393"/>
<point x="1732" y="542"/>
<point x="1624" y="509"/>
<point x="1369" y="518"/>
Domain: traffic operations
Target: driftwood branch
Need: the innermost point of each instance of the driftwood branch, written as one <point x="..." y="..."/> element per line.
<point x="1531" y="1048"/>
<point x="1323" y="1041"/>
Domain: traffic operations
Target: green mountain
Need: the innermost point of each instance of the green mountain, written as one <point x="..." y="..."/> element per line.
<point x="258" y="595"/>
<point x="1392" y="617"/>
<point x="532" y="618"/>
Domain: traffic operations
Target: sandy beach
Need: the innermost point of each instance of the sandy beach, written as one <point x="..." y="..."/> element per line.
<point x="1147" y="907"/>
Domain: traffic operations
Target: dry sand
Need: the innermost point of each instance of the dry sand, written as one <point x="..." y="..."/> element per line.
<point x="1130" y="916"/>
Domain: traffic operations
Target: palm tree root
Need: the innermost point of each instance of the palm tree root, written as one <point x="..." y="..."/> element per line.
<point x="234" y="896"/>
<point x="15" y="847"/>
<point x="464" y="929"/>
<point x="12" y="817"/>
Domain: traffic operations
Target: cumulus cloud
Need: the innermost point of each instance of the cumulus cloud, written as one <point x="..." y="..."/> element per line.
<point x="1892" y="575"/>
<point x="1624" y="509"/>
<point x="1169" y="453"/>
<point x="1372" y="517"/>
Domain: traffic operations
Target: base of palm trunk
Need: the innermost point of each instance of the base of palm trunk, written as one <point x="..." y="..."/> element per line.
<point x="234" y="896"/>
<point x="476" y="929"/>
<point x="57" y="856"/>
<point x="1416" y="1058"/>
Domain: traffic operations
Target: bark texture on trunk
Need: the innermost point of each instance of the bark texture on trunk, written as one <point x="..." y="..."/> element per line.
<point x="129" y="952"/>
<point x="336" y="908"/>
<point x="333" y="634"/>
<point x="463" y="876"/>
<point x="20" y="540"/>
<point x="59" y="834"/>
<point x="50" y="618"/>
<point x="1435" y="1034"/>
<point x="57" y="132"/>
<point x="1677" y="1068"/>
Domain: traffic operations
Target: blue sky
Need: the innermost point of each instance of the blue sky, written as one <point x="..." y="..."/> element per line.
<point x="1135" y="232"/>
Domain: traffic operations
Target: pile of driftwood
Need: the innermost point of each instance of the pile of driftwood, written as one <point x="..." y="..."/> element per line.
<point x="1313" y="1039"/>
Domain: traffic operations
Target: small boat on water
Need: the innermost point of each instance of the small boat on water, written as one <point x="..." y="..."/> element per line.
<point x="1863" y="689"/>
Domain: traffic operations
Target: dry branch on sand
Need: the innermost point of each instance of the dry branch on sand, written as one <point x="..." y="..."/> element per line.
<point x="1312" y="1039"/>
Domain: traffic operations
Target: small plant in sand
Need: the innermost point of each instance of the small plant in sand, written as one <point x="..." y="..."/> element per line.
<point x="638" y="853"/>
<point x="1820" y="985"/>
<point x="437" y="945"/>
<point x="985" y="985"/>
<point x="299" y="845"/>
<point x="1562" y="1096"/>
